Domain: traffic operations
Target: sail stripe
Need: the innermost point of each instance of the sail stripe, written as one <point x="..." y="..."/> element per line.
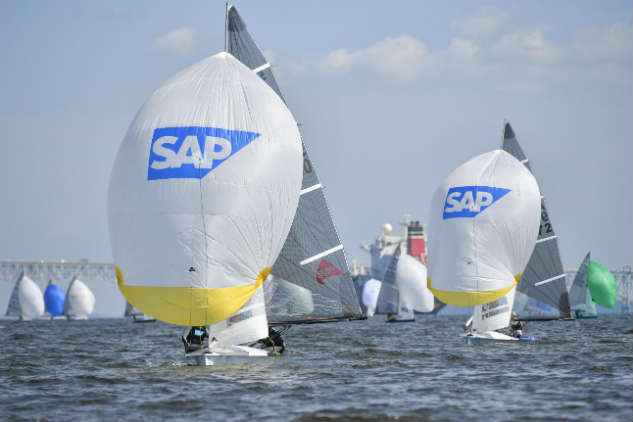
<point x="466" y="298"/>
<point x="321" y="255"/>
<point x="189" y="306"/>
<point x="545" y="239"/>
<point x="262" y="67"/>
<point x="549" y="279"/>
<point x="311" y="188"/>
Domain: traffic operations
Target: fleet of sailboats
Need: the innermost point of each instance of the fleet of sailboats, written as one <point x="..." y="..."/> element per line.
<point x="219" y="223"/>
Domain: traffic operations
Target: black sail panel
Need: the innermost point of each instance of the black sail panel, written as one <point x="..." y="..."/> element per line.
<point x="312" y="258"/>
<point x="544" y="277"/>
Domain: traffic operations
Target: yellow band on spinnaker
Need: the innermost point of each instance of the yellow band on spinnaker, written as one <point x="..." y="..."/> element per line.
<point x="470" y="298"/>
<point x="189" y="305"/>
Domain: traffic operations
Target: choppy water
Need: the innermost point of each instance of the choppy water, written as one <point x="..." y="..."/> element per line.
<point x="364" y="370"/>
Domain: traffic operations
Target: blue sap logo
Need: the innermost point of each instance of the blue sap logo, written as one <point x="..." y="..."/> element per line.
<point x="191" y="152"/>
<point x="468" y="201"/>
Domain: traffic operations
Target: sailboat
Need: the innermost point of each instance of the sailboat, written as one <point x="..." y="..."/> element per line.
<point x="310" y="281"/>
<point x="405" y="290"/>
<point x="483" y="227"/>
<point x="54" y="298"/>
<point x="202" y="195"/>
<point x="581" y="303"/>
<point x="26" y="300"/>
<point x="80" y="301"/>
<point x="543" y="278"/>
<point x="593" y="284"/>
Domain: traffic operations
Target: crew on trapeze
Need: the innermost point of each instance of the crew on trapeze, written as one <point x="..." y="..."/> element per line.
<point x="194" y="337"/>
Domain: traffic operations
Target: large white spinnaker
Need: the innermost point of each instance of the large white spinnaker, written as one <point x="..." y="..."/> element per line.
<point x="80" y="301"/>
<point x="26" y="301"/>
<point x="483" y="226"/>
<point x="202" y="195"/>
<point x="411" y="282"/>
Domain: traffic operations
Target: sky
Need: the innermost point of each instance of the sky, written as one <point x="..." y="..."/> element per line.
<point x="392" y="96"/>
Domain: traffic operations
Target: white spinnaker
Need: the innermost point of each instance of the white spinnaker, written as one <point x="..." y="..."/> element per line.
<point x="27" y="301"/>
<point x="80" y="301"/>
<point x="494" y="315"/>
<point x="411" y="282"/>
<point x="483" y="226"/>
<point x="208" y="229"/>
<point x="371" y="289"/>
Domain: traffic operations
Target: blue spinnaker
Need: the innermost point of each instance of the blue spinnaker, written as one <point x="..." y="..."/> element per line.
<point x="54" y="298"/>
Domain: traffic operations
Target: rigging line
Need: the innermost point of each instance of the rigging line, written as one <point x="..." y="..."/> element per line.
<point x="261" y="68"/>
<point x="545" y="239"/>
<point x="549" y="280"/>
<point x="321" y="255"/>
<point x="311" y="188"/>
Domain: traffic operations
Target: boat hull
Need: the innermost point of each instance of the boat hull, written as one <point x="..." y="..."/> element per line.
<point x="400" y="320"/>
<point x="225" y="356"/>
<point x="493" y="337"/>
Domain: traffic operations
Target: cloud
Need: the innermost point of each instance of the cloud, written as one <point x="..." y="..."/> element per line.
<point x="403" y="57"/>
<point x="611" y="43"/>
<point x="176" y="41"/>
<point x="530" y="45"/>
<point x="462" y="49"/>
<point x="485" y="22"/>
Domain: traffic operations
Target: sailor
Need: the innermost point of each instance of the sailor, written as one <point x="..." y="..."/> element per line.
<point x="273" y="344"/>
<point x="516" y="326"/>
<point x="193" y="338"/>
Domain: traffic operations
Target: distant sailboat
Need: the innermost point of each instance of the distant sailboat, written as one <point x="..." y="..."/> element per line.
<point x="312" y="258"/>
<point x="54" y="298"/>
<point x="543" y="278"/>
<point x="26" y="300"/>
<point x="202" y="196"/>
<point x="136" y="315"/>
<point x="593" y="284"/>
<point x="371" y="290"/>
<point x="483" y="227"/>
<point x="80" y="301"/>
<point x="581" y="303"/>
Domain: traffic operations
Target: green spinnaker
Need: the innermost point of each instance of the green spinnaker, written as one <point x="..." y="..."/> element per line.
<point x="602" y="285"/>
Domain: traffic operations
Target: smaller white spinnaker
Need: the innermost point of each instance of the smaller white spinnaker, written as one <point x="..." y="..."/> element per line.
<point x="27" y="301"/>
<point x="80" y="301"/>
<point x="371" y="289"/>
<point x="483" y="226"/>
<point x="411" y="282"/>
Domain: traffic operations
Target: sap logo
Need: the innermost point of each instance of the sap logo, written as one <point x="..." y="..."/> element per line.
<point x="468" y="201"/>
<point x="191" y="152"/>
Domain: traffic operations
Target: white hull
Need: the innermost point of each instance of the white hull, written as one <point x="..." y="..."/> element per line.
<point x="223" y="356"/>
<point x="492" y="336"/>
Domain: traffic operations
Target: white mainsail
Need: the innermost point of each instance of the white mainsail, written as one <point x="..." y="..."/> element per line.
<point x="196" y="228"/>
<point x="494" y="315"/>
<point x="80" y="301"/>
<point x="27" y="301"/>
